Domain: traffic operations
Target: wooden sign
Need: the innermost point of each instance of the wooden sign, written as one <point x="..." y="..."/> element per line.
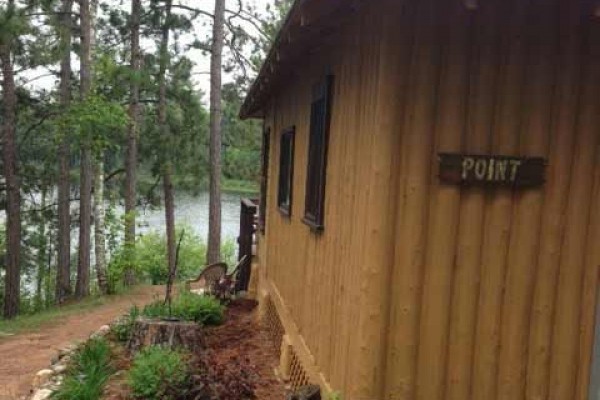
<point x="477" y="170"/>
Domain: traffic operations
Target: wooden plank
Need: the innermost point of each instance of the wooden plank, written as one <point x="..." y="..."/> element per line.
<point x="491" y="171"/>
<point x="565" y="341"/>
<point x="559" y="175"/>
<point x="499" y="77"/>
<point x="412" y="220"/>
<point x="536" y="99"/>
<point x="589" y="302"/>
<point x="444" y="205"/>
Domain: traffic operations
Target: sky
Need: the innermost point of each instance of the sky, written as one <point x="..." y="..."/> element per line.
<point x="40" y="78"/>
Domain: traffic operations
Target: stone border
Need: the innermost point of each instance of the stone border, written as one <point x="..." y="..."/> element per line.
<point x="48" y="380"/>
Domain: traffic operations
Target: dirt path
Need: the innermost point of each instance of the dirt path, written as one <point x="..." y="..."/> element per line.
<point x="24" y="354"/>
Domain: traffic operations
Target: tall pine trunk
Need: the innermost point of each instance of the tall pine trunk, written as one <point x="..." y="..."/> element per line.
<point x="164" y="128"/>
<point x="82" y="287"/>
<point x="63" y="271"/>
<point x="132" y="137"/>
<point x="99" y="226"/>
<point x="41" y="254"/>
<point x="99" y="209"/>
<point x="216" y="60"/>
<point x="13" y="195"/>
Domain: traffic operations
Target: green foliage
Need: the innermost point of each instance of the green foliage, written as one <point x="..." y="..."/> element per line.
<point x="229" y="252"/>
<point x="97" y="121"/>
<point x="242" y="140"/>
<point x="205" y="310"/>
<point x="149" y="258"/>
<point x="335" y="396"/>
<point x="87" y="373"/>
<point x="156" y="373"/>
<point x="122" y="328"/>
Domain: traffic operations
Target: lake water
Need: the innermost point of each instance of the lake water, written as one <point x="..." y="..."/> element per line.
<point x="192" y="211"/>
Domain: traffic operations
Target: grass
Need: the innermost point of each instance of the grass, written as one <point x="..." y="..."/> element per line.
<point x="87" y="373"/>
<point x="240" y="186"/>
<point x="52" y="316"/>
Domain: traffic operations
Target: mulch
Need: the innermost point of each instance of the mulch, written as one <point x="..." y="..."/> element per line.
<point x="237" y="364"/>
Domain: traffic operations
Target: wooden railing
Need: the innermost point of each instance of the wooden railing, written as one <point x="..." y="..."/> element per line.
<point x="246" y="241"/>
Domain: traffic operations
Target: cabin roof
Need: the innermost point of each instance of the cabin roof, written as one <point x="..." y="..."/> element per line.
<point x="307" y="23"/>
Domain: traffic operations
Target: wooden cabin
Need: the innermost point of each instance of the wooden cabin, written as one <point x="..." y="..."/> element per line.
<point x="431" y="198"/>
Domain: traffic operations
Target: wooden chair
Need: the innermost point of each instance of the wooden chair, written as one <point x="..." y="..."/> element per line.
<point x="224" y="288"/>
<point x="210" y="275"/>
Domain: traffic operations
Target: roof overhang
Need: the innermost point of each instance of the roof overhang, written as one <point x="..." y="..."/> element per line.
<point x="307" y="23"/>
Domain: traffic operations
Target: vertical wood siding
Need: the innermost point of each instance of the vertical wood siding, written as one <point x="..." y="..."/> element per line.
<point x="493" y="291"/>
<point x="334" y="283"/>
<point x="419" y="290"/>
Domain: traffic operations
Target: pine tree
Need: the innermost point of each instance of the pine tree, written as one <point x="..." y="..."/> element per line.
<point x="132" y="137"/>
<point x="63" y="272"/>
<point x="82" y="287"/>
<point x="10" y="21"/>
<point x="216" y="64"/>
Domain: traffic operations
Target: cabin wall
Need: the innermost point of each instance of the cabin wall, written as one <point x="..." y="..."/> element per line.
<point x="493" y="290"/>
<point x="421" y="290"/>
<point x="330" y="288"/>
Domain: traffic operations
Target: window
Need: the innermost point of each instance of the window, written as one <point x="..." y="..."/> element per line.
<point x="286" y="171"/>
<point x="264" y="179"/>
<point x="320" y="116"/>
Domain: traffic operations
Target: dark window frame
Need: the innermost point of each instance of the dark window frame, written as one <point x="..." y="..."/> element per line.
<point x="285" y="192"/>
<point x="264" y="182"/>
<point x="318" y="143"/>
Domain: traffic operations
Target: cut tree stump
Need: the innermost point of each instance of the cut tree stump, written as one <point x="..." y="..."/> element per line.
<point x="170" y="334"/>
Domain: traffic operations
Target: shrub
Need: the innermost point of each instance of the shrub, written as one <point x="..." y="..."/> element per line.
<point x="157" y="373"/>
<point x="87" y="373"/>
<point x="149" y="258"/>
<point x="122" y="328"/>
<point x="205" y="310"/>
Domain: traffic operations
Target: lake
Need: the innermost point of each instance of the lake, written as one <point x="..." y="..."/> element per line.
<point x="192" y="211"/>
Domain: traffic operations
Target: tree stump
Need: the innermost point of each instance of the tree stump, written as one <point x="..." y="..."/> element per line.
<point x="170" y="334"/>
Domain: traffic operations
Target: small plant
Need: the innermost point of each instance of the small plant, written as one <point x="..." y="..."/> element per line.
<point x="122" y="328"/>
<point x="158" y="373"/>
<point x="87" y="373"/>
<point x="335" y="396"/>
<point x="205" y="310"/>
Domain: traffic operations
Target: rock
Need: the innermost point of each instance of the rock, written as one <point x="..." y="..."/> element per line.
<point x="42" y="377"/>
<point x="102" y="331"/>
<point x="59" y="368"/>
<point x="309" y="392"/>
<point x="42" y="394"/>
<point x="66" y="351"/>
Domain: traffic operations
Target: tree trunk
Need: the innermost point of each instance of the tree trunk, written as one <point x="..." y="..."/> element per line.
<point x="99" y="226"/>
<point x="132" y="137"/>
<point x="63" y="271"/>
<point x="99" y="210"/>
<point x="41" y="254"/>
<point x="13" y="194"/>
<point x="214" y="219"/>
<point x="82" y="288"/>
<point x="164" y="128"/>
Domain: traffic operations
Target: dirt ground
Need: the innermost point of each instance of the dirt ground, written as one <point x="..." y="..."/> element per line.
<point x="22" y="355"/>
